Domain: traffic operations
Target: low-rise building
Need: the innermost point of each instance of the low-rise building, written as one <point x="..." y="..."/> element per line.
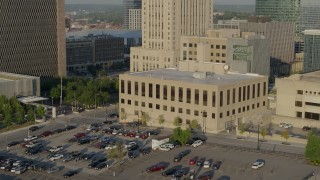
<point x="217" y="101"/>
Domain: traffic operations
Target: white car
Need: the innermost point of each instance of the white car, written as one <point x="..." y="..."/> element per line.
<point x="104" y="139"/>
<point x="30" y="138"/>
<point x="129" y="144"/>
<point x="55" y="149"/>
<point x="168" y="145"/>
<point x="197" y="143"/>
<point x="287" y="126"/>
<point x="56" y="157"/>
<point x="207" y="164"/>
<point x="20" y="170"/>
<point x="164" y="148"/>
<point x="13" y="170"/>
<point x="17" y="163"/>
<point x="109" y="147"/>
<point x="259" y="163"/>
<point x="115" y="132"/>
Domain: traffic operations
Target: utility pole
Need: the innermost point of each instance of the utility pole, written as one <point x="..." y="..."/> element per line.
<point x="60" y="91"/>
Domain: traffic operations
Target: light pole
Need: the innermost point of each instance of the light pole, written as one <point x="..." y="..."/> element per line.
<point x="139" y="121"/>
<point x="258" y="146"/>
<point x="203" y="121"/>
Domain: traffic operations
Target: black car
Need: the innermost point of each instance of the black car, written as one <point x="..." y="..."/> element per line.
<point x="169" y="172"/>
<point x="306" y="128"/>
<point x="154" y="132"/>
<point x="33" y="128"/>
<point x="176" y="144"/>
<point x="216" y="165"/>
<point x="198" y="137"/>
<point x="185" y="152"/>
<point x="133" y="147"/>
<point x="177" y="158"/>
<point x="146" y="150"/>
<point x="69" y="174"/>
<point x="33" y="151"/>
<point x="82" y="156"/>
<point x="101" y="165"/>
<point x="200" y="161"/>
<point x="84" y="141"/>
<point x="181" y="172"/>
<point x="190" y="142"/>
<point x="108" y="131"/>
<point x="113" y="115"/>
<point x="75" y="154"/>
<point x="206" y="176"/>
<point x="13" y="143"/>
<point x="88" y="156"/>
<point x="70" y="127"/>
<point x="133" y="154"/>
<point x="116" y="127"/>
<point x="58" y="131"/>
<point x="108" y="122"/>
<point x="96" y="162"/>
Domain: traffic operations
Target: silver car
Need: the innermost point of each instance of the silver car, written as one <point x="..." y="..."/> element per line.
<point x="53" y="170"/>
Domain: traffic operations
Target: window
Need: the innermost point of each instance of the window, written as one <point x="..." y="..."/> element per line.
<point x="136" y="103"/>
<point x="253" y="91"/>
<point x="311" y="104"/>
<point x="228" y="97"/>
<point x="221" y="115"/>
<point x="157" y="91"/>
<point x="188" y="111"/>
<point x="196" y="97"/>
<point x="165" y="92"/>
<point x="218" y="54"/>
<point x="234" y="95"/>
<point x="239" y="95"/>
<point x="172" y="109"/>
<point x="129" y="87"/>
<point x="164" y="107"/>
<point x="299" y="114"/>
<point x="299" y="92"/>
<point x="224" y="47"/>
<point x="264" y="88"/>
<point x="150" y="90"/>
<point x="211" y="54"/>
<point x="239" y="110"/>
<point x="157" y="106"/>
<point x="143" y="89"/>
<point x="298" y="103"/>
<point x="244" y="93"/>
<point x="217" y="46"/>
<point x="264" y="103"/>
<point x="190" y="44"/>
<point x="252" y="106"/>
<point x="248" y="108"/>
<point x="258" y="105"/>
<point x="172" y="93"/>
<point x="122" y="101"/>
<point x="143" y="104"/>
<point x="188" y="121"/>
<point x="180" y="94"/>
<point x="248" y="92"/>
<point x="228" y="113"/>
<point x="243" y="109"/>
<point x="213" y="115"/>
<point x="188" y="95"/>
<point x="150" y="105"/>
<point x="213" y="99"/>
<point x="221" y="98"/>
<point x="258" y="89"/>
<point x="136" y="88"/>
<point x="212" y="46"/>
<point x="122" y="86"/>
<point x="184" y="44"/>
<point x="233" y="111"/>
<point x="196" y="113"/>
<point x="180" y="110"/>
<point x="310" y="115"/>
<point x="205" y="98"/>
<point x="223" y="55"/>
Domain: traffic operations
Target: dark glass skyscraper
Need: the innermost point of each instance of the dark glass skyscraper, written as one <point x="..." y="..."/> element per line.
<point x="310" y="14"/>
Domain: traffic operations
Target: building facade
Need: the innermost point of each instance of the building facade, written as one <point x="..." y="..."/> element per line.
<point x="90" y="50"/>
<point x="311" y="50"/>
<point x="134" y="18"/>
<point x="129" y="5"/>
<point x="12" y="85"/>
<point x="32" y="38"/>
<point x="216" y="101"/>
<point x="310" y="14"/>
<point x="302" y="99"/>
<point x="163" y="23"/>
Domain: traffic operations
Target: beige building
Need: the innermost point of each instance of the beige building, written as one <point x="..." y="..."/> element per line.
<point x="134" y="18"/>
<point x="242" y="52"/>
<point x="32" y="34"/>
<point x="19" y="85"/>
<point x="163" y="23"/>
<point x="297" y="65"/>
<point x="216" y="101"/>
<point x="302" y="99"/>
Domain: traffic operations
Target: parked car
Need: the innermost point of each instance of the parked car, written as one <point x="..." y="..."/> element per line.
<point x="143" y="136"/>
<point x="13" y="143"/>
<point x="169" y="172"/>
<point x="306" y="128"/>
<point x="33" y="144"/>
<point x="154" y="168"/>
<point x="79" y="135"/>
<point x="46" y="133"/>
<point x="101" y="165"/>
<point x="89" y="155"/>
<point x="259" y="163"/>
<point x="93" y="137"/>
<point x="58" y="131"/>
<point x="55" y="149"/>
<point x="30" y="138"/>
<point x="182" y="154"/>
<point x="168" y="145"/>
<point x="132" y="134"/>
<point x="33" y="128"/>
<point x="146" y="150"/>
<point x="133" y="154"/>
<point x="109" y="147"/>
<point x="96" y="163"/>
<point x="53" y="170"/>
<point x="108" y="122"/>
<point x="176" y="144"/>
<point x="68" y="158"/>
<point x="101" y="145"/>
<point x="181" y="172"/>
<point x="107" y="131"/>
<point x="197" y="143"/>
<point x="207" y="164"/>
<point x="193" y="161"/>
<point x="287" y="126"/>
<point x="164" y="148"/>
<point x="83" y="141"/>
<point x="190" y="142"/>
<point x="205" y="176"/>
<point x="20" y="170"/>
<point x="216" y="165"/>
<point x="200" y="161"/>
<point x="129" y="144"/>
<point x="70" y="128"/>
<point x="56" y="157"/>
<point x="70" y="173"/>
<point x="133" y="147"/>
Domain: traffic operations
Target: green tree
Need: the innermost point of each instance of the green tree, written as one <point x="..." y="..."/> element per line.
<point x="181" y="135"/>
<point x="242" y="128"/>
<point x="263" y="132"/>
<point x="55" y="93"/>
<point x="3" y="101"/>
<point x="161" y="120"/>
<point x="19" y="115"/>
<point x="194" y="124"/>
<point x="285" y="135"/>
<point x="145" y="118"/>
<point x="30" y="115"/>
<point x="7" y="112"/>
<point x="176" y="121"/>
<point x="40" y="111"/>
<point x="312" y="152"/>
<point x="117" y="153"/>
<point x="123" y="116"/>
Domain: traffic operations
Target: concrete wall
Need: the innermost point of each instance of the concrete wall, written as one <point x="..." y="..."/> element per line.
<point x="23" y="87"/>
<point x="296" y="122"/>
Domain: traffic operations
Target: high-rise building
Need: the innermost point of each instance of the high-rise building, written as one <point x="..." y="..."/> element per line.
<point x="32" y="37"/>
<point x="281" y="10"/>
<point x="127" y="5"/>
<point x="310" y="14"/>
<point x="163" y="23"/>
<point x="134" y="18"/>
<point x="311" y="50"/>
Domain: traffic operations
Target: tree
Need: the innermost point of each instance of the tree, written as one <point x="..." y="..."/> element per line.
<point x="181" y="135"/>
<point x="145" y="118"/>
<point x="123" y="116"/>
<point x="117" y="153"/>
<point x="263" y="132"/>
<point x="161" y="120"/>
<point x="7" y="112"/>
<point x="3" y="101"/>
<point x="30" y="115"/>
<point x="176" y="121"/>
<point x="242" y="128"/>
<point x="194" y="124"/>
<point x="285" y="134"/>
<point x="312" y="152"/>
<point x="19" y="115"/>
<point x="55" y="93"/>
<point x="40" y="111"/>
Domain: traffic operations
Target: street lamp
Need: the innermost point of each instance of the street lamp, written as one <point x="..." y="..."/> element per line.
<point x="258" y="144"/>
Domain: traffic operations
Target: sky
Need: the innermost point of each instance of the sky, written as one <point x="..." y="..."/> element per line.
<point x="120" y="2"/>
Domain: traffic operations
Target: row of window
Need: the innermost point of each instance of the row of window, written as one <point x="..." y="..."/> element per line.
<point x="227" y="97"/>
<point x="188" y="111"/>
<point x="299" y="104"/>
<point x="308" y="92"/>
<point x="309" y="115"/>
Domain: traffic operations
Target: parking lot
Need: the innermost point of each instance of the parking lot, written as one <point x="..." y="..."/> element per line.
<point x="236" y="164"/>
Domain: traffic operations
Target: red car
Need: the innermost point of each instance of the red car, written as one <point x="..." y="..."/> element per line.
<point x="158" y="167"/>
<point x="46" y="133"/>
<point x="132" y="134"/>
<point x="23" y="144"/>
<point x="101" y="145"/>
<point x="143" y="136"/>
<point x="80" y="135"/>
<point x="193" y="161"/>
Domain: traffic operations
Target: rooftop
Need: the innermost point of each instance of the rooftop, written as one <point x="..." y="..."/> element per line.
<point x="113" y="32"/>
<point x="5" y="77"/>
<point x="213" y="79"/>
<point x="312" y="32"/>
<point x="310" y="77"/>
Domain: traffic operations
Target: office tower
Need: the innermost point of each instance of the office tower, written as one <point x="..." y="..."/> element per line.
<point x="163" y="23"/>
<point x="281" y="10"/>
<point x="127" y="5"/>
<point x="310" y="14"/>
<point x="134" y="18"/>
<point x="32" y="37"/>
<point x="311" y="50"/>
